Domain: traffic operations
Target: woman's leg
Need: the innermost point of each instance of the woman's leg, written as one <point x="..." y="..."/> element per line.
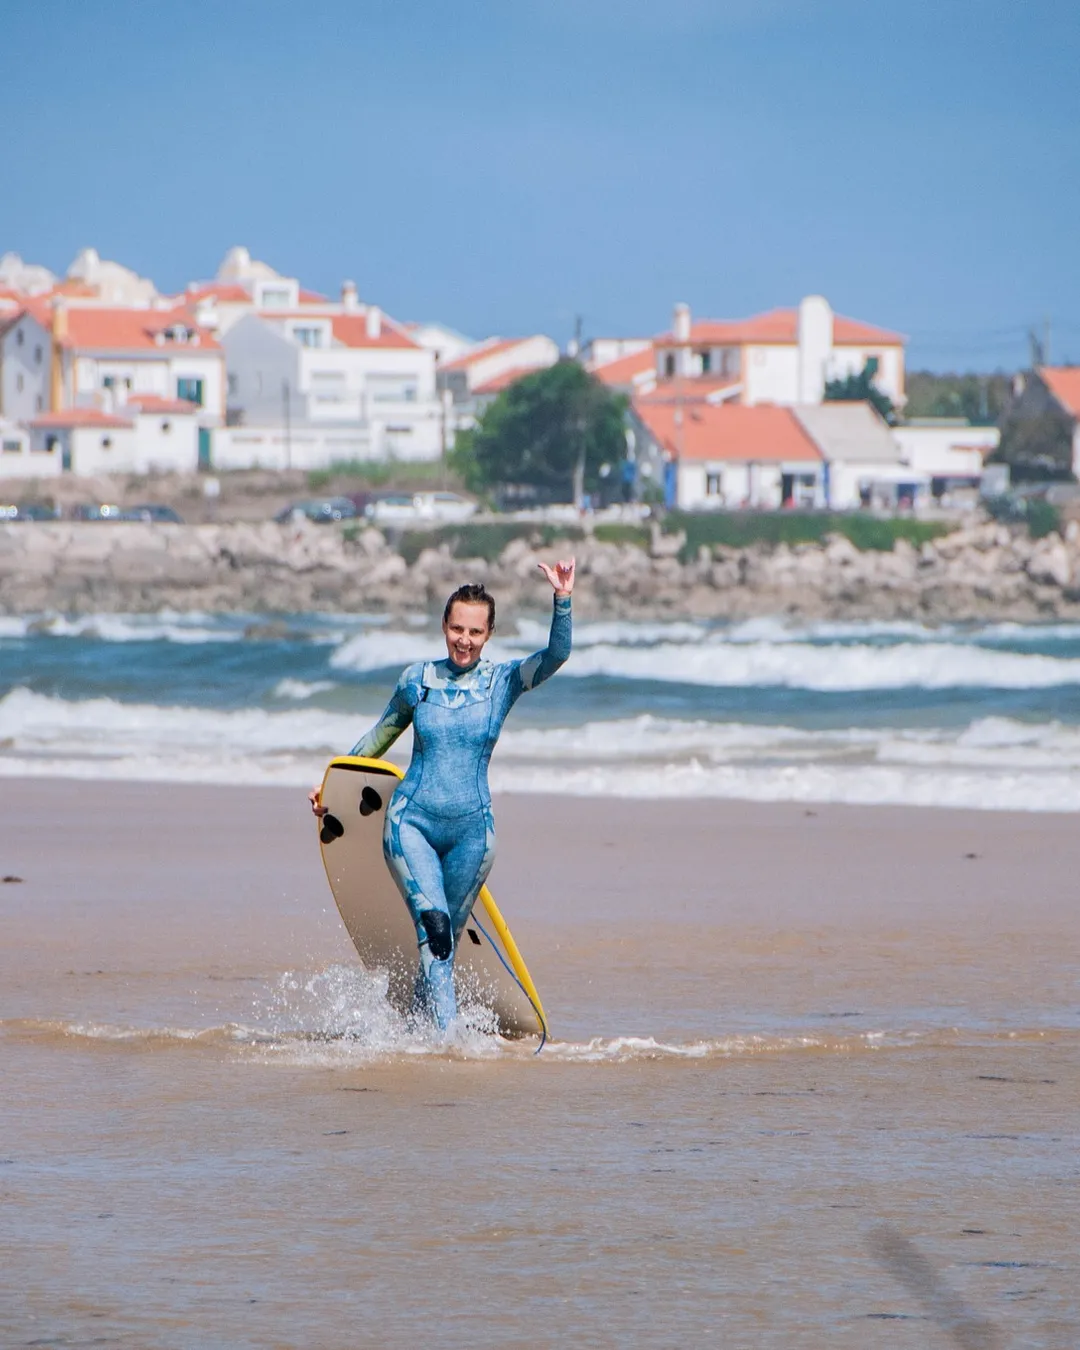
<point x="417" y="869"/>
<point x="466" y="865"/>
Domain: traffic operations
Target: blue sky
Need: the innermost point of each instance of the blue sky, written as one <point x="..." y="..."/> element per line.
<point x="503" y="165"/>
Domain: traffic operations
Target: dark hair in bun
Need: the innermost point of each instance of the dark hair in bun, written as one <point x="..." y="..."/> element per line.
<point x="473" y="593"/>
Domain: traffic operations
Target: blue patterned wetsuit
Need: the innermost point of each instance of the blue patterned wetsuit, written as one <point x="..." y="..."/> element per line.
<point x="439" y="835"/>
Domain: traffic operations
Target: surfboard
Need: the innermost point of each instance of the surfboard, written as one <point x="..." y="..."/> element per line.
<point x="488" y="968"/>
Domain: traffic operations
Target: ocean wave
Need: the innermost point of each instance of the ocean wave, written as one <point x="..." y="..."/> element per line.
<point x="995" y="763"/>
<point x="299" y="690"/>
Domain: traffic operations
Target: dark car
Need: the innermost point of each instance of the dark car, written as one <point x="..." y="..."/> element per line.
<point x="321" y="510"/>
<point x="28" y="511"/>
<point x="153" y="511"/>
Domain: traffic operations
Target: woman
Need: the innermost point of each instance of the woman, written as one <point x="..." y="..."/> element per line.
<point x="439" y="835"/>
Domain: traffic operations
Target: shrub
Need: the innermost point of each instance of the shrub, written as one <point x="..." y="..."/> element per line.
<point x="740" y="529"/>
<point x="485" y="541"/>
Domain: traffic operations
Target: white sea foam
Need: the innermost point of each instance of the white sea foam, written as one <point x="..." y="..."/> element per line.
<point x="301" y="689"/>
<point x="992" y="763"/>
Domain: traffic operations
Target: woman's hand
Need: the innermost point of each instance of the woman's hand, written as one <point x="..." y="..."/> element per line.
<point x="561" y="575"/>
<point x="317" y="809"/>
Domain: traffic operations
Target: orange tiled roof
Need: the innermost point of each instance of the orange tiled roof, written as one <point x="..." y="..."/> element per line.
<point x="80" y="417"/>
<point x="351" y="331"/>
<point x="1064" y="383"/>
<point x="154" y="403"/>
<point x="624" y="370"/>
<point x="779" y="326"/>
<point x="764" y="434"/>
<point x="228" y="291"/>
<point x="132" y="330"/>
<point x="507" y="378"/>
<point x="488" y="348"/>
<point x="695" y="389"/>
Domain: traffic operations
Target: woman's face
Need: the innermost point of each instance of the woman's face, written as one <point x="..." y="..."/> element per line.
<point x="466" y="631"/>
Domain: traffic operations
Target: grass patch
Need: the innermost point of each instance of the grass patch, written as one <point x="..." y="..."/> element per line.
<point x="482" y="541"/>
<point x="741" y="529"/>
<point x="620" y="533"/>
<point x="361" y="473"/>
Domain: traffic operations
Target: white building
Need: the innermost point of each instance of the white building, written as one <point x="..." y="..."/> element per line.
<point x="864" y="466"/>
<point x="16" y="460"/>
<point x="727" y="455"/>
<point x="147" y="435"/>
<point x="354" y="372"/>
<point x="82" y="441"/>
<point x="784" y="356"/>
<point x="102" y="356"/>
<point x="948" y="451"/>
<point x="25" y="362"/>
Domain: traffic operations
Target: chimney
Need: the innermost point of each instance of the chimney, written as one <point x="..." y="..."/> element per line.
<point x="374" y="321"/>
<point x="815" y="347"/>
<point x="350" y="301"/>
<point x="681" y="323"/>
<point x="59" y="334"/>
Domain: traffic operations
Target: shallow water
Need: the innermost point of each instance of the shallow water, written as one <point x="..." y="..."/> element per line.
<point x="771" y="1033"/>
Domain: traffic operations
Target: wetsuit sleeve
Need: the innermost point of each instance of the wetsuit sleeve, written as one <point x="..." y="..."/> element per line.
<point x="399" y="713"/>
<point x="541" y="666"/>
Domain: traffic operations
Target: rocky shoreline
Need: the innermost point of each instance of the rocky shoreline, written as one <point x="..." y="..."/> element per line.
<point x="985" y="571"/>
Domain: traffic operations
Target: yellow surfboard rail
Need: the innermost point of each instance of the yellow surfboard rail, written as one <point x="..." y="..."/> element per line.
<point x="491" y="909"/>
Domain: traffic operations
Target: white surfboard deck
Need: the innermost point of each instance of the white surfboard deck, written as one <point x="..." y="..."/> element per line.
<point x="488" y="968"/>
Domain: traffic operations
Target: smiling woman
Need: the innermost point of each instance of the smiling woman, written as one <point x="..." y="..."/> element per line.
<point x="439" y="833"/>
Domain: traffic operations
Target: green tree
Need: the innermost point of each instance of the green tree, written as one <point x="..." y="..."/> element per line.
<point x="552" y="430"/>
<point x="861" y="389"/>
<point x="982" y="399"/>
<point x="1037" y="445"/>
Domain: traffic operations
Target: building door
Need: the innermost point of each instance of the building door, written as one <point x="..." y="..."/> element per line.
<point x="204" y="447"/>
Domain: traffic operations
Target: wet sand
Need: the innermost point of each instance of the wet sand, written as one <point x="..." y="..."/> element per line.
<point x="773" y="1030"/>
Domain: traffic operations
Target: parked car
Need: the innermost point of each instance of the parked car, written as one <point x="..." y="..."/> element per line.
<point x="96" y="511"/>
<point x="28" y="511"/>
<point x="321" y="510"/>
<point x="405" y="508"/>
<point x="153" y="511"/>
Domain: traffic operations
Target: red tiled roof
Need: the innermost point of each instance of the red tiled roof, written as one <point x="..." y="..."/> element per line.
<point x="351" y="331"/>
<point x="154" y="403"/>
<point x="80" y="417"/>
<point x="1064" y="383"/>
<point x="507" y="378"/>
<point x="728" y="431"/>
<point x="779" y="326"/>
<point x="311" y="297"/>
<point x="228" y="291"/>
<point x="692" y="390"/>
<point x="488" y="348"/>
<point x="624" y="369"/>
<point x="131" y="330"/>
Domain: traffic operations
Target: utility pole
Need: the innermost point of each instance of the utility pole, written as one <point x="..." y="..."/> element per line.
<point x="288" y="423"/>
<point x="575" y="341"/>
<point x="579" y="466"/>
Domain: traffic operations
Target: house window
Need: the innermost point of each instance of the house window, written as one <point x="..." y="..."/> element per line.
<point x="166" y="426"/>
<point x="20" y="337"/>
<point x="706" y="362"/>
<point x="39" y="403"/>
<point x="190" y="390"/>
<point x="714" y="485"/>
<point x="37" y="354"/>
<point x="106" y="442"/>
<point x="308" y="337"/>
<point x="234" y="383"/>
<point x="19" y="383"/>
<point x="51" y="442"/>
<point x="669" y="365"/>
<point x="12" y="447"/>
<point x="275" y="298"/>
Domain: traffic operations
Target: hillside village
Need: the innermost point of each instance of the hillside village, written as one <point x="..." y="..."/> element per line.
<point x="100" y="373"/>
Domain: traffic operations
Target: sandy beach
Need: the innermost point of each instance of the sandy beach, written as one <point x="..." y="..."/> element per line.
<point x="774" y="1028"/>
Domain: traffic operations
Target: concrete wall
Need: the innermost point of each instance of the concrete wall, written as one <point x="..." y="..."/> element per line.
<point x="770" y="374"/>
<point x="743" y="484"/>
